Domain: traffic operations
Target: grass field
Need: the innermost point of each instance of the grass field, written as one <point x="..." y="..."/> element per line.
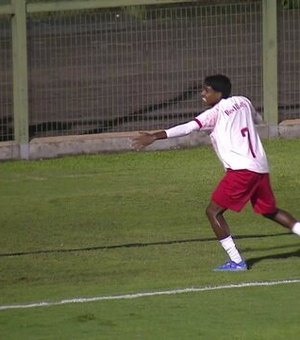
<point x="115" y="224"/>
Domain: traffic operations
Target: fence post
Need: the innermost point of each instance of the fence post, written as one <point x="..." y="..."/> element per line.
<point x="20" y="77"/>
<point x="270" y="76"/>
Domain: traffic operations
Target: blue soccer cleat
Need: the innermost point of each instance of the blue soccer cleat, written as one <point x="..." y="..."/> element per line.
<point x="231" y="266"/>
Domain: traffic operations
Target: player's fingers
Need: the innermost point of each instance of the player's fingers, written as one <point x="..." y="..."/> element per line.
<point x="136" y="142"/>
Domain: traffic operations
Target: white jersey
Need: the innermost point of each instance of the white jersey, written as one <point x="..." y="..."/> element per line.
<point x="234" y="135"/>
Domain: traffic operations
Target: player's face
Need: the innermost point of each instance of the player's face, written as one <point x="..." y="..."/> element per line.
<point x="210" y="96"/>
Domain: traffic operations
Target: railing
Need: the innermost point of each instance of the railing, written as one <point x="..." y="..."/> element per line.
<point x="83" y="67"/>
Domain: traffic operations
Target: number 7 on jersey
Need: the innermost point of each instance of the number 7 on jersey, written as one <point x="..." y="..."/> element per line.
<point x="245" y="133"/>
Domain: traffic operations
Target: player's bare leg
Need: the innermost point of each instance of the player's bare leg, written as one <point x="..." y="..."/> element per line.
<point x="218" y="223"/>
<point x="221" y="229"/>
<point x="285" y="219"/>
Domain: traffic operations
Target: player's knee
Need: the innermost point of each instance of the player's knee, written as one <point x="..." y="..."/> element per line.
<point x="271" y="216"/>
<point x="211" y="211"/>
<point x="208" y="211"/>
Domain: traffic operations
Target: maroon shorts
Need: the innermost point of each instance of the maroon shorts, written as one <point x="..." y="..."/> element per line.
<point x="238" y="187"/>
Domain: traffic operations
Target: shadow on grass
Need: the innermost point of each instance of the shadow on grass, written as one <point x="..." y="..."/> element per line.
<point x="252" y="261"/>
<point x="133" y="245"/>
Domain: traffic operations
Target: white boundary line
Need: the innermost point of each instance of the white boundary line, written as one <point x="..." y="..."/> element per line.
<point x="146" y="294"/>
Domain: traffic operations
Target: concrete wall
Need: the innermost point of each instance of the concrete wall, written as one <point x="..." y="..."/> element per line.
<point x="51" y="147"/>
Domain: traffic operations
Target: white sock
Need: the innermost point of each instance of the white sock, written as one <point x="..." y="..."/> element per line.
<point x="296" y="228"/>
<point x="230" y="248"/>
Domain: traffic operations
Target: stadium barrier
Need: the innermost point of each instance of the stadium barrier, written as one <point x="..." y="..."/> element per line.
<point x="84" y="76"/>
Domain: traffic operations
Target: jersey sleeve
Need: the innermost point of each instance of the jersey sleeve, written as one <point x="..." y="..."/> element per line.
<point x="208" y="118"/>
<point x="182" y="129"/>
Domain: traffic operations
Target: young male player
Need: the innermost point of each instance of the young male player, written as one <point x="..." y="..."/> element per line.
<point x="238" y="146"/>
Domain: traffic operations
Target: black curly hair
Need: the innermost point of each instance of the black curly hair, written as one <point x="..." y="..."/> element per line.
<point x="219" y="83"/>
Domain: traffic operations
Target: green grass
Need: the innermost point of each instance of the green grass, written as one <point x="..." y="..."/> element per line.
<point x="134" y="222"/>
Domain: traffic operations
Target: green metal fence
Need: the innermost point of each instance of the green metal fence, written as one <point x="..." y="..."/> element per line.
<point x="289" y="60"/>
<point x="82" y="67"/>
<point x="6" y="95"/>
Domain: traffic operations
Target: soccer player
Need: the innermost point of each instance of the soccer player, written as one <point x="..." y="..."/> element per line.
<point x="238" y="146"/>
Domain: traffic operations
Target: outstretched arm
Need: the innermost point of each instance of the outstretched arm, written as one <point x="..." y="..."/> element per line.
<point x="146" y="138"/>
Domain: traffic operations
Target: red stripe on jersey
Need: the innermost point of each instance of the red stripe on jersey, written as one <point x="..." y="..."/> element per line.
<point x="198" y="122"/>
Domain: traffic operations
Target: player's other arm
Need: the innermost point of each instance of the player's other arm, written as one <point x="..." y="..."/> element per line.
<point x="146" y="138"/>
<point x="256" y="116"/>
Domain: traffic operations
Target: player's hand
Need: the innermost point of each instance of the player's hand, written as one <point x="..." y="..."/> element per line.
<point x="142" y="140"/>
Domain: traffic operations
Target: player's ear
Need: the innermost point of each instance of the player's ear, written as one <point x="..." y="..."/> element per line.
<point x="219" y="95"/>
